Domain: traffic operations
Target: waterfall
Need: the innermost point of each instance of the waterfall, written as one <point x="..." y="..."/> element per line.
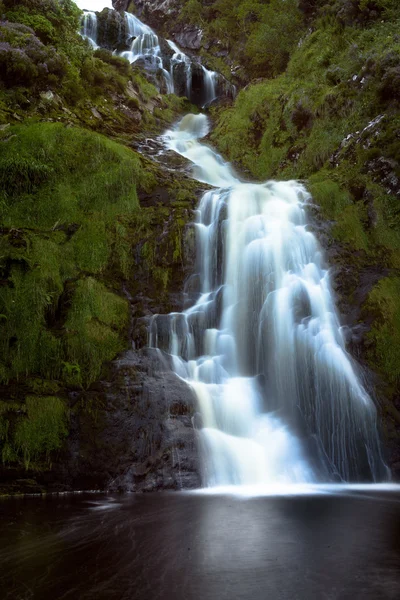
<point x="160" y="58"/>
<point x="210" y="86"/>
<point x="208" y="91"/>
<point x="145" y="46"/>
<point x="279" y="397"/>
<point x="179" y="58"/>
<point x="89" y="28"/>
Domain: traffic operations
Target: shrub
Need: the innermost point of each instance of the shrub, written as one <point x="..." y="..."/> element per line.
<point x="25" y="60"/>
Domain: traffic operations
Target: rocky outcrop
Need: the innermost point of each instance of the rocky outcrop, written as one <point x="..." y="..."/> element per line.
<point x="162" y="13"/>
<point x="121" y="5"/>
<point x="132" y="431"/>
<point x="112" y="31"/>
<point x="189" y="37"/>
<point x="153" y="12"/>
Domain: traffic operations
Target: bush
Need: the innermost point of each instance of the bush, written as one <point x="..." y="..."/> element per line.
<point x="25" y="60"/>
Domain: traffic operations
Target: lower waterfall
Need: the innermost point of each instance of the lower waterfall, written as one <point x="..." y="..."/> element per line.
<point x="280" y="398"/>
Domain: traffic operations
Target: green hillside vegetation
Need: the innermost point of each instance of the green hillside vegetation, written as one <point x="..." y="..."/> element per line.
<point x="49" y="72"/>
<point x="63" y="191"/>
<point x="69" y="212"/>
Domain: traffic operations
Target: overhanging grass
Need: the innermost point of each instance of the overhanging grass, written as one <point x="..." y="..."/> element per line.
<point x="60" y="230"/>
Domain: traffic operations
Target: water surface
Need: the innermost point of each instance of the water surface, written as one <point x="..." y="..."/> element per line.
<point x="201" y="546"/>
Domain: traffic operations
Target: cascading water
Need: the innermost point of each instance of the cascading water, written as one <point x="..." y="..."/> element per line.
<point x="210" y="86"/>
<point x="89" y="28"/>
<point x="262" y="347"/>
<point x="179" y="58"/>
<point x="145" y="46"/>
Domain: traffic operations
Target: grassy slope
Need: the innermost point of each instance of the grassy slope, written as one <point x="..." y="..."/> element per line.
<point x="70" y="218"/>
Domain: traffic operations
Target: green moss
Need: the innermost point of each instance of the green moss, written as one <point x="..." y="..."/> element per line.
<point x="42" y="431"/>
<point x="259" y="35"/>
<point x="31" y="431"/>
<point x="75" y="171"/>
<point x="121" y="251"/>
<point x="329" y="195"/>
<point x="91" y="247"/>
<point x="59" y="228"/>
<point x="146" y="89"/>
<point x="384" y="304"/>
<point x="96" y="328"/>
<point x="349" y="227"/>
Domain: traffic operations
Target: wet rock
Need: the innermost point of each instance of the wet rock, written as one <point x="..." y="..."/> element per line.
<point x="197" y="91"/>
<point x="386" y="172"/>
<point x="121" y="5"/>
<point x="180" y="79"/>
<point x="140" y="436"/>
<point x="153" y="12"/>
<point x="95" y="113"/>
<point x="112" y="31"/>
<point x="189" y="37"/>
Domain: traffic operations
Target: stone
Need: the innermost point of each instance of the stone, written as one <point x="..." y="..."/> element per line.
<point x="95" y="112"/>
<point x="189" y="37"/>
<point x="48" y="96"/>
<point x="139" y="439"/>
<point x="112" y="31"/>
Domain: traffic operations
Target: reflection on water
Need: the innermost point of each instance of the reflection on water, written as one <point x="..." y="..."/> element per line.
<point x="197" y="546"/>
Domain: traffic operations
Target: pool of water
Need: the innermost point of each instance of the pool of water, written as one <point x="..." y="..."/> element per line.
<point x="342" y="544"/>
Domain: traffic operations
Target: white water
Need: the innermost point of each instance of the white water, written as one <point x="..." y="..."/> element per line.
<point x="209" y="83"/>
<point x="145" y="47"/>
<point x="89" y="28"/>
<point x="279" y="397"/>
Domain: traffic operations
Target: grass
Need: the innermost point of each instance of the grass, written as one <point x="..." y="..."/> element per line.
<point x="60" y="230"/>
<point x="384" y="304"/>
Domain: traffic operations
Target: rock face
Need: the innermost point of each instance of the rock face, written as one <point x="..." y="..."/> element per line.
<point x="189" y="37"/>
<point x="134" y="429"/>
<point x="153" y="12"/>
<point x="112" y="31"/>
<point x="135" y="433"/>
<point x="159" y="12"/>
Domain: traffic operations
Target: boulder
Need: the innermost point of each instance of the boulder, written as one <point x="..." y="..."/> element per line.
<point x="189" y="37"/>
<point x="111" y="30"/>
<point x="142" y="437"/>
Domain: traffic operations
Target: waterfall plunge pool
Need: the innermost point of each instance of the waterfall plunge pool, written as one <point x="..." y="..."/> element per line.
<point x="189" y="546"/>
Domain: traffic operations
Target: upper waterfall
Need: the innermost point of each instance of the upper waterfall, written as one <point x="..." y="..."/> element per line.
<point x="89" y="28"/>
<point x="280" y="398"/>
<point x="169" y="68"/>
